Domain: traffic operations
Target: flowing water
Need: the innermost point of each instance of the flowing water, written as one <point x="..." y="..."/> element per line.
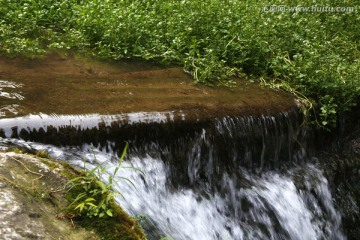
<point x="234" y="178"/>
<point x="10" y="95"/>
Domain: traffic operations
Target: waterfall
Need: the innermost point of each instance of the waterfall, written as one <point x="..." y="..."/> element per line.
<point x="231" y="178"/>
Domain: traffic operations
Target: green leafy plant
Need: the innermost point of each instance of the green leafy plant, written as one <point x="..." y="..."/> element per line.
<point x="316" y="54"/>
<point x="93" y="197"/>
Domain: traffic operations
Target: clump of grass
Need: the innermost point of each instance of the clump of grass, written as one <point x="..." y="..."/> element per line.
<point x="92" y="202"/>
<point x="93" y="197"/>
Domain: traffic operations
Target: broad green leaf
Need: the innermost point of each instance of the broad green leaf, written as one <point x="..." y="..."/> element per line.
<point x="109" y="213"/>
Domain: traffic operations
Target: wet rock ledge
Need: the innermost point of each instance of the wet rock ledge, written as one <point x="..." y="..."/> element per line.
<point x="32" y="201"/>
<point x="73" y="85"/>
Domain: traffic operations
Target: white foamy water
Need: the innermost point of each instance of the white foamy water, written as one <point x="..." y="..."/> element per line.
<point x="296" y="204"/>
<point x="185" y="214"/>
<point x="33" y="122"/>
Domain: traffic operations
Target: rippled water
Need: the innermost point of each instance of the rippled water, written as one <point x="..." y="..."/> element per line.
<point x="10" y="96"/>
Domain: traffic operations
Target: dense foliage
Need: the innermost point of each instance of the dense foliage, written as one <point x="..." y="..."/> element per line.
<point x="314" y="54"/>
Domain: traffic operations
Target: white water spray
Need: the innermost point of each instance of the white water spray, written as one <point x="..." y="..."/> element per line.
<point x="296" y="204"/>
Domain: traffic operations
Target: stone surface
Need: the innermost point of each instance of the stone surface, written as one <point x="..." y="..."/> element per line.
<point x="26" y="209"/>
<point x="69" y="85"/>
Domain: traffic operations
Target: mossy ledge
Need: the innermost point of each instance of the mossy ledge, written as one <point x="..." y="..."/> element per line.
<point x="33" y="185"/>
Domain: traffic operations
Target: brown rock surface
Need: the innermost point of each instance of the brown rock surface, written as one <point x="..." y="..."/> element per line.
<point x="70" y="85"/>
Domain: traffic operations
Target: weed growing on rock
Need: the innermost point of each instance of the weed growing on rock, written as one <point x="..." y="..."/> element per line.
<point x="92" y="198"/>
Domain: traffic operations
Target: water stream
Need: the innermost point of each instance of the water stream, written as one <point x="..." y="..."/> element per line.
<point x="233" y="178"/>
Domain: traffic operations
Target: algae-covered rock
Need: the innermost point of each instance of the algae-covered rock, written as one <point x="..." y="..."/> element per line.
<point x="32" y="203"/>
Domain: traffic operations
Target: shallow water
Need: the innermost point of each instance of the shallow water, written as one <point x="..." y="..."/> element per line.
<point x="69" y="85"/>
<point x="10" y="98"/>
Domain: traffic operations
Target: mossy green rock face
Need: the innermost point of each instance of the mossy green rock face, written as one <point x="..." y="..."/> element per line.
<point x="32" y="200"/>
<point x="28" y="210"/>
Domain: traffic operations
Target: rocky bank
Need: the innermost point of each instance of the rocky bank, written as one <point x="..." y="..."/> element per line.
<point x="32" y="201"/>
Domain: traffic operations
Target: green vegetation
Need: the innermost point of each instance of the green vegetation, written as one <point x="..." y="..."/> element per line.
<point x="93" y="197"/>
<point x="312" y="54"/>
<point x="92" y="202"/>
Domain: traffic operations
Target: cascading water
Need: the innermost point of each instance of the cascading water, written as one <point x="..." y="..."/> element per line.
<point x="235" y="178"/>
